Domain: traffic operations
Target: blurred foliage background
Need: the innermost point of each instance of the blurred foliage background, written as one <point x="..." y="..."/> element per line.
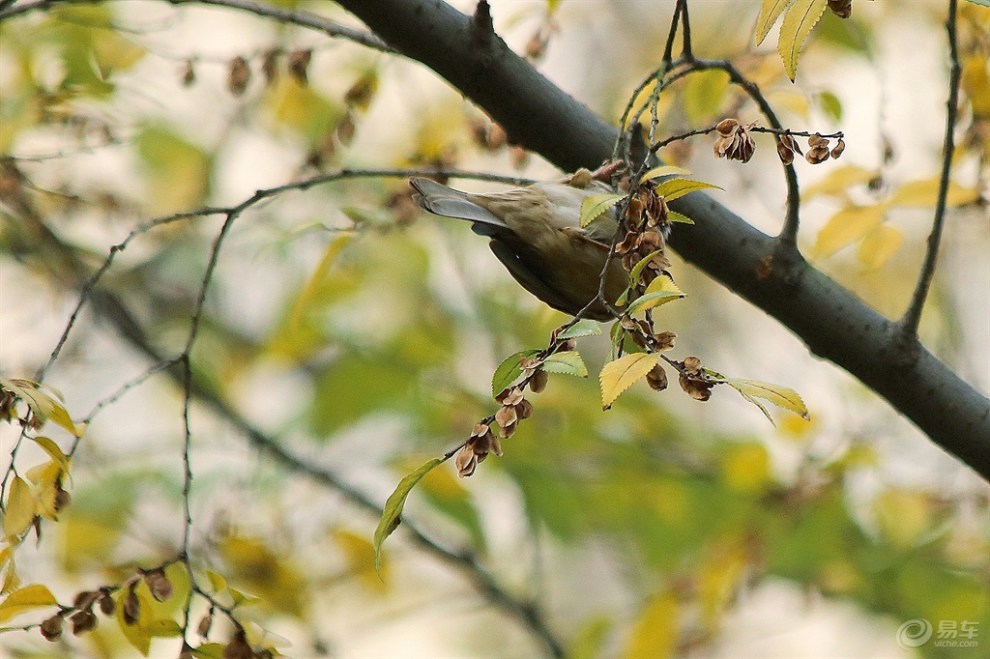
<point x="360" y="338"/>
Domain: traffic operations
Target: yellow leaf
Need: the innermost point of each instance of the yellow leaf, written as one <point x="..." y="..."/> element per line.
<point x="655" y="633"/>
<point x="620" y="374"/>
<point x="846" y="227"/>
<point x="664" y="170"/>
<point x="769" y="11"/>
<point x="137" y="633"/>
<point x="315" y="281"/>
<point x="902" y="516"/>
<point x="53" y="450"/>
<point x="839" y="180"/>
<point x="595" y="205"/>
<point x="660" y="291"/>
<point x="217" y="582"/>
<point x="676" y="188"/>
<point x="975" y="82"/>
<point x="879" y="245"/>
<point x="20" y="510"/>
<point x="793" y="100"/>
<point x="719" y="579"/>
<point x="780" y="396"/>
<point x="24" y="599"/>
<point x="43" y="479"/>
<point x="747" y="468"/>
<point x="799" y="21"/>
<point x="924" y="194"/>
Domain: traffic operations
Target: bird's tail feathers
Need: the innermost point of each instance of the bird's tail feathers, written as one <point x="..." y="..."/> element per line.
<point x="441" y="200"/>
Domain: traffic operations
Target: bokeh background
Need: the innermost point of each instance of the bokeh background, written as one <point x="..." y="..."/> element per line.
<point x="361" y="337"/>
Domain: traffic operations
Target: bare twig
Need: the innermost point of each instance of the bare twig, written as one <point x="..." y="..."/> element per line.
<point x="908" y="324"/>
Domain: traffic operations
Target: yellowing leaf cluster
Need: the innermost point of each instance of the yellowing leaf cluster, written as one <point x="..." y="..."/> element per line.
<point x="800" y="18"/>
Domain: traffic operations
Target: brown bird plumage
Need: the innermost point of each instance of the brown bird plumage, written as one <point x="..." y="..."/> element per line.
<point x="535" y="232"/>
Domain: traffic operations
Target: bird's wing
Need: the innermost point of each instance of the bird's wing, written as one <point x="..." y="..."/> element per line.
<point x="441" y="200"/>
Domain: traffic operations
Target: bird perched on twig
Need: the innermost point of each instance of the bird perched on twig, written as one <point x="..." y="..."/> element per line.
<point x="535" y="232"/>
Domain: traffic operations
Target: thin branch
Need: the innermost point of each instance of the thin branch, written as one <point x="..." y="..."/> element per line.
<point x="908" y="324"/>
<point x="301" y="18"/>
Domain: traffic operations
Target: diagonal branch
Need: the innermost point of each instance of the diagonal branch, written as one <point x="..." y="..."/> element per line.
<point x="829" y="319"/>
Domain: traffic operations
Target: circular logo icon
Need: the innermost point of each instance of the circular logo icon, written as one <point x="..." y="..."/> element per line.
<point x="914" y="633"/>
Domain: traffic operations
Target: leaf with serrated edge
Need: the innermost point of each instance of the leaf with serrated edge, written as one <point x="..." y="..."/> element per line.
<point x="392" y="512"/>
<point x="780" y="396"/>
<point x="620" y="374"/>
<point x="566" y="363"/>
<point x="660" y="291"/>
<point x="581" y="328"/>
<point x="676" y="188"/>
<point x="674" y="216"/>
<point x="799" y="21"/>
<point x="664" y="170"/>
<point x="509" y="370"/>
<point x="594" y="205"/>
<point x="24" y="599"/>
<point x="769" y="11"/>
<point x="637" y="269"/>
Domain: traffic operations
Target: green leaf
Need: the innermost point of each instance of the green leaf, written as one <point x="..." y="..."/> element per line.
<point x="509" y="371"/>
<point x="660" y="291"/>
<point x="24" y="599"/>
<point x="620" y="374"/>
<point x="664" y="170"/>
<point x="595" y="205"/>
<point x="831" y="105"/>
<point x="581" y="328"/>
<point x="674" y="216"/>
<point x="982" y="3"/>
<point x="566" y="363"/>
<point x="392" y="512"/>
<point x="799" y="21"/>
<point x="209" y="651"/>
<point x="637" y="269"/>
<point x="770" y="10"/>
<point x="780" y="396"/>
<point x="678" y="187"/>
<point x="703" y="95"/>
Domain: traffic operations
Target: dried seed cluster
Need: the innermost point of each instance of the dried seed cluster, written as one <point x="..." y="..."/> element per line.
<point x="818" y="148"/>
<point x="734" y="141"/>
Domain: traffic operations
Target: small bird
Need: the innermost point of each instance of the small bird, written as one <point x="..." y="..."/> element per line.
<point x="535" y="232"/>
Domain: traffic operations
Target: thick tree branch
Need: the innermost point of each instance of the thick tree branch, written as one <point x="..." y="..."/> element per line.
<point x="834" y="323"/>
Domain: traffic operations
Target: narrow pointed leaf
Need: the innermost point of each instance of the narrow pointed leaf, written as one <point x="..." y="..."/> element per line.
<point x="664" y="170"/>
<point x="678" y="187"/>
<point x="780" y="396"/>
<point x="799" y="21"/>
<point x="392" y="512"/>
<point x="770" y="10"/>
<point x="681" y="218"/>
